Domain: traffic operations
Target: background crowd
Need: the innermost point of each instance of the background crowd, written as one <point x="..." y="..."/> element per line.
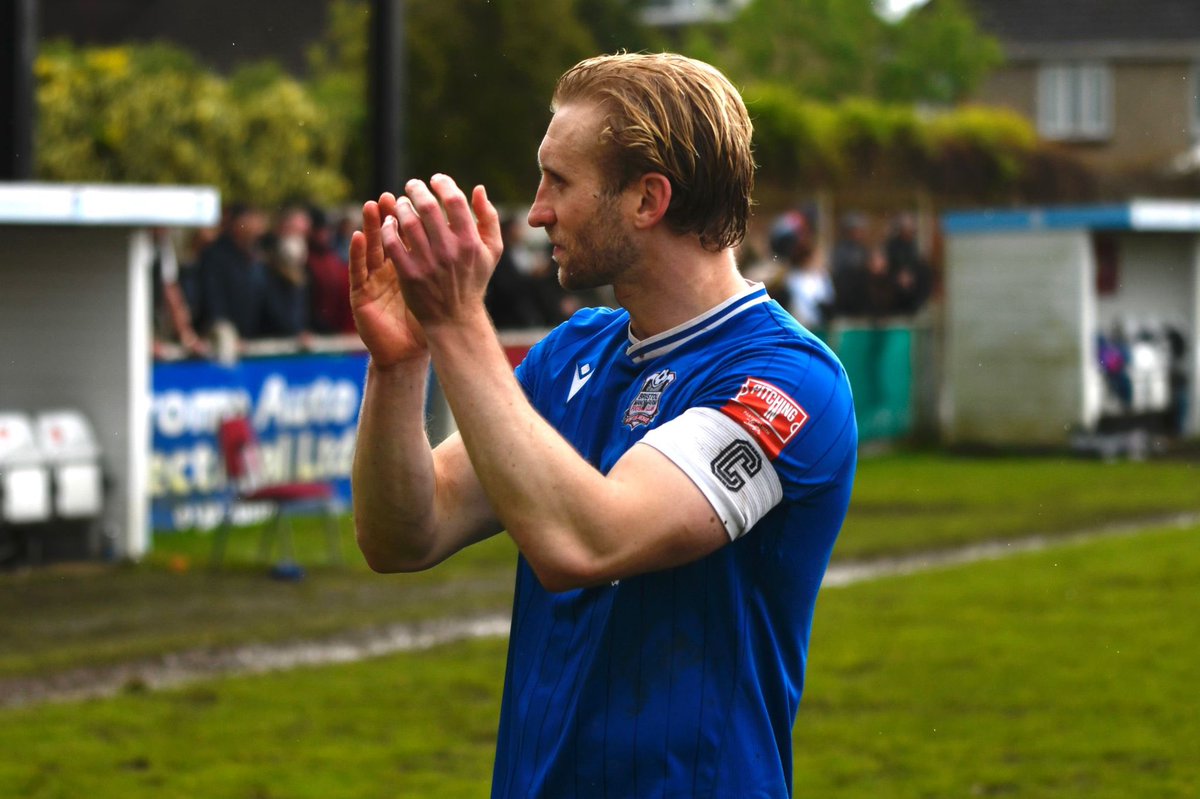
<point x="253" y="277"/>
<point x="862" y="275"/>
<point x="285" y="276"/>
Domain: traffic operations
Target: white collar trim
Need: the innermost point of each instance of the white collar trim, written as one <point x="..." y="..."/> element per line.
<point x="660" y="344"/>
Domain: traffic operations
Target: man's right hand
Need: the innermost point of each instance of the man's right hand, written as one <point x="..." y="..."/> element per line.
<point x="389" y="330"/>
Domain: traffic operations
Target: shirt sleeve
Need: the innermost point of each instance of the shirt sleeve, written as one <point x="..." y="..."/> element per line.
<point x="728" y="466"/>
<point x="774" y="426"/>
<point x="528" y="371"/>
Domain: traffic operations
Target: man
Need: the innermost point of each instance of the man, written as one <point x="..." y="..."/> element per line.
<point x="674" y="473"/>
<point x="511" y="300"/>
<point x="171" y="315"/>
<point x="907" y="268"/>
<point x="851" y="267"/>
<point x="232" y="275"/>
<point x="328" y="280"/>
<point x="285" y="296"/>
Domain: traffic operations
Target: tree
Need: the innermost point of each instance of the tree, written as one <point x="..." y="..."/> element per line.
<point x="149" y="114"/>
<point x="828" y="50"/>
<point x="338" y="81"/>
<point x="936" y="54"/>
<point x="616" y="25"/>
<point x="480" y="77"/>
<point x="480" y="80"/>
<point x="822" y="48"/>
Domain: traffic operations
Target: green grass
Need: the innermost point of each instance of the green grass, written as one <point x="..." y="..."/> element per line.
<point x="419" y="726"/>
<point x="1067" y="673"/>
<point x="910" y="502"/>
<point x="61" y="618"/>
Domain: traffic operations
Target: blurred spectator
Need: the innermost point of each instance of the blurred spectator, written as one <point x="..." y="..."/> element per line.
<point x="1177" y="343"/>
<point x="198" y="240"/>
<point x="232" y="275"/>
<point x="512" y="299"/>
<point x="286" y="294"/>
<point x="911" y="274"/>
<point x="882" y="291"/>
<point x="1113" y="353"/>
<point x="347" y="223"/>
<point x="769" y="270"/>
<point x="328" y="280"/>
<point x="851" y="267"/>
<point x="807" y="290"/>
<point x="172" y="317"/>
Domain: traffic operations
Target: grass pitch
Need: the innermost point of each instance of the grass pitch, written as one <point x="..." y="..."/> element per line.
<point x="1065" y="673"/>
<point x="65" y="618"/>
<point x="1069" y="673"/>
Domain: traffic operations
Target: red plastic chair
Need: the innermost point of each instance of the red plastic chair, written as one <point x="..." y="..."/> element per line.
<point x="239" y="452"/>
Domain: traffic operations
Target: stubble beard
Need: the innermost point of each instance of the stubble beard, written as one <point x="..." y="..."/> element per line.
<point x="600" y="253"/>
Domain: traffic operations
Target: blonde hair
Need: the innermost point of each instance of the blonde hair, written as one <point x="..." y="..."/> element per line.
<point x="679" y="117"/>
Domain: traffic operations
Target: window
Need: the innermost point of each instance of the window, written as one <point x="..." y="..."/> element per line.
<point x="1075" y="101"/>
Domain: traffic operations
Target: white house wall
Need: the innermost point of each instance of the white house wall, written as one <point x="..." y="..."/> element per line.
<point x="1018" y="319"/>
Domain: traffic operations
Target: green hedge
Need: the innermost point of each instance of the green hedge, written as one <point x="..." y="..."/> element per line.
<point x="149" y="114"/>
<point x="968" y="151"/>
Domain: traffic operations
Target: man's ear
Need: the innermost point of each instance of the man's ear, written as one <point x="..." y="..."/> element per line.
<point x="654" y="197"/>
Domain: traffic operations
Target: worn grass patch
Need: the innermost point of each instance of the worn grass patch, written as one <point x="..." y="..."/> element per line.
<point x="60" y="618"/>
<point x="67" y="617"/>
<point x="1067" y="673"/>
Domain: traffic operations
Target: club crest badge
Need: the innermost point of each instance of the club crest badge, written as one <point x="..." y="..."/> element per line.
<point x="645" y="405"/>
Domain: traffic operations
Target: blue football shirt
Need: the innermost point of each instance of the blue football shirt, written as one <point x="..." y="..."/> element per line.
<point x="683" y="682"/>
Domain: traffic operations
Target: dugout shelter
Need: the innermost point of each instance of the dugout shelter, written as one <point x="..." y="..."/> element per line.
<point x="74" y="319"/>
<point x="1035" y="296"/>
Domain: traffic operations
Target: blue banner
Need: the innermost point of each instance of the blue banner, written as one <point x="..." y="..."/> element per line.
<point x="304" y="409"/>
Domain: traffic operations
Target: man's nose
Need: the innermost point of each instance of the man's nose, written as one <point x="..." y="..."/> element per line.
<point x="540" y="213"/>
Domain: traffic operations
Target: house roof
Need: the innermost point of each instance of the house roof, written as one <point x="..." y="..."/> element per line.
<point x="1170" y="216"/>
<point x="108" y="204"/>
<point x="1136" y="25"/>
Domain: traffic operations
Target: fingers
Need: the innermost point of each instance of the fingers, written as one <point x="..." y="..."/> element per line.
<point x="458" y="213"/>
<point x="428" y="226"/>
<point x="373" y="251"/>
<point x="358" y="258"/>
<point x="387" y="204"/>
<point x="487" y="220"/>
<point x="405" y="241"/>
<point x="433" y="220"/>
<point x="393" y="240"/>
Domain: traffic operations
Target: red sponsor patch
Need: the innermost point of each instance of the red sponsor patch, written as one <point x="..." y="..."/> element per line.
<point x="768" y="414"/>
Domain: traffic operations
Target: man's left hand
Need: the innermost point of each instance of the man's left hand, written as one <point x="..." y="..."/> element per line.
<point x="443" y="254"/>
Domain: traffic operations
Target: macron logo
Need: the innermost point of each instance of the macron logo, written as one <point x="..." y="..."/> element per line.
<point x="583" y="373"/>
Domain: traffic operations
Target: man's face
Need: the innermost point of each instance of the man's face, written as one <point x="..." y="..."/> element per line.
<point x="592" y="242"/>
<point x="248" y="228"/>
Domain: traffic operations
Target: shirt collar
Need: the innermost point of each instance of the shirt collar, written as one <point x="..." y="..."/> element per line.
<point x="660" y="344"/>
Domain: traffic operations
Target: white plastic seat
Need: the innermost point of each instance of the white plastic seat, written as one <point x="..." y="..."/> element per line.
<point x="24" y="479"/>
<point x="69" y="448"/>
